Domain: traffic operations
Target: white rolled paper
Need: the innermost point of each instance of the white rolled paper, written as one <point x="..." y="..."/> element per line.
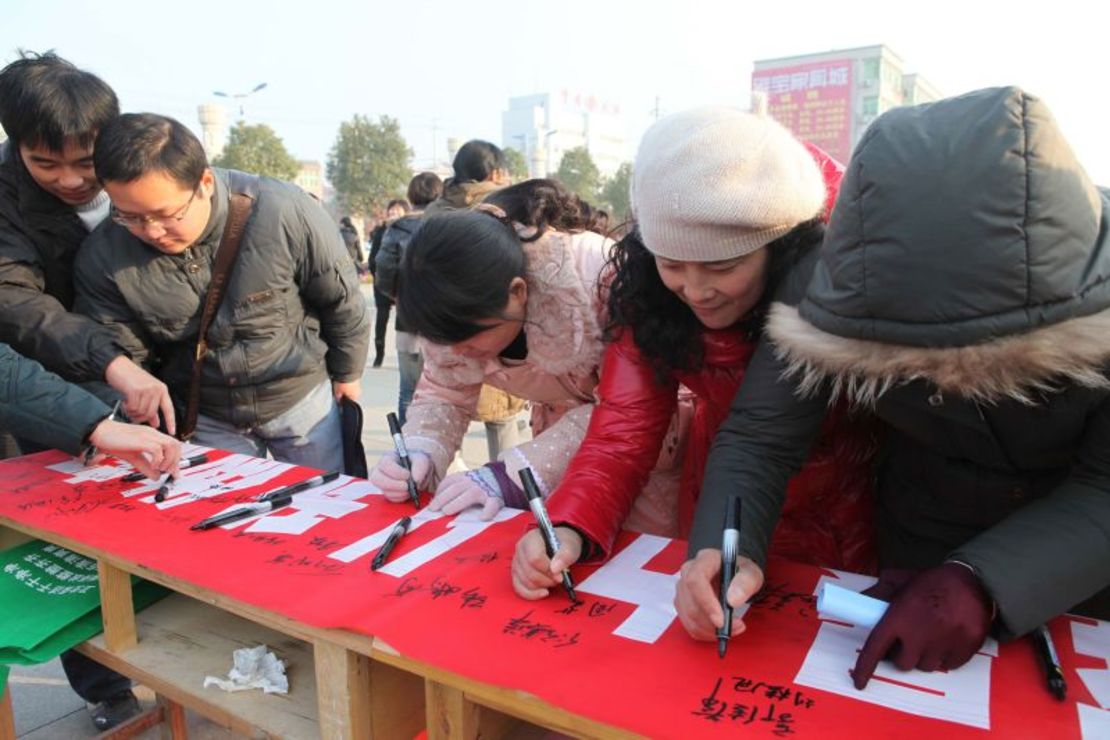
<point x="844" y="605"/>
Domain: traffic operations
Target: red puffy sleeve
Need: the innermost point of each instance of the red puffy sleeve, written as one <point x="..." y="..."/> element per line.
<point x="621" y="446"/>
<point x="832" y="171"/>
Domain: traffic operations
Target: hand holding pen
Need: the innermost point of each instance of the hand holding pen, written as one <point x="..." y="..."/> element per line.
<point x="551" y="540"/>
<point x="399" y="444"/>
<point x="730" y="550"/>
<point x="146" y="449"/>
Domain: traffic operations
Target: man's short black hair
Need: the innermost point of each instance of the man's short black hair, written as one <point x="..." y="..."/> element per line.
<point x="424" y="188"/>
<point x="136" y="144"/>
<point x="45" y="101"/>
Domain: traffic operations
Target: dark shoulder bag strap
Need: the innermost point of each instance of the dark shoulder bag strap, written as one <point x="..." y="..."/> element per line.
<point x="239" y="211"/>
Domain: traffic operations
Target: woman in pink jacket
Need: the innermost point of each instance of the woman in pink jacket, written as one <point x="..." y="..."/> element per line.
<point x="505" y="295"/>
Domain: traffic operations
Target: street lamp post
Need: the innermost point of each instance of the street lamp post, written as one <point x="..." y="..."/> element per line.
<point x="240" y="97"/>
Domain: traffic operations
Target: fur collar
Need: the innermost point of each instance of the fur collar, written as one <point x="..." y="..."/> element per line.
<point x="1017" y="367"/>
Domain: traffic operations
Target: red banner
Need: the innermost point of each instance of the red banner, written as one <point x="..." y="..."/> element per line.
<point x="619" y="657"/>
<point x="814" y="101"/>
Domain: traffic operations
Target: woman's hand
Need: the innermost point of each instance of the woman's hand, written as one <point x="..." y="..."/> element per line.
<point x="534" y="574"/>
<point x="696" y="595"/>
<point x="392" y="477"/>
<point x="460" y="491"/>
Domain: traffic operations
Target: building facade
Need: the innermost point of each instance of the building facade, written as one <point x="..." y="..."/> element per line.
<point x="830" y="98"/>
<point x="310" y="178"/>
<point x="545" y="126"/>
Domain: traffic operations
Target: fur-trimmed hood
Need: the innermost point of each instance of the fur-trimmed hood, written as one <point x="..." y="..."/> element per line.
<point x="1017" y="367"/>
<point x="967" y="248"/>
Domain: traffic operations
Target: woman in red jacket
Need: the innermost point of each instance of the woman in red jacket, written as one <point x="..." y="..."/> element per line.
<point x="725" y="202"/>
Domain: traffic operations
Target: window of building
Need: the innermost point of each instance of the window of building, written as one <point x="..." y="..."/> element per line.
<point x="870" y="105"/>
<point x="870" y="69"/>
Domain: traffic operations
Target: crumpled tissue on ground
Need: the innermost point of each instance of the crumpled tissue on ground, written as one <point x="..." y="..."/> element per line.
<point x="254" y="668"/>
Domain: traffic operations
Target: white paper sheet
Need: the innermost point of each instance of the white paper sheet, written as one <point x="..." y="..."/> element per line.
<point x="229" y="474"/>
<point x="332" y="500"/>
<point x="78" y="473"/>
<point x="1094" y="640"/>
<point x="1094" y="723"/>
<point x="462" y="528"/>
<point x="624" y="578"/>
<point x="961" y="696"/>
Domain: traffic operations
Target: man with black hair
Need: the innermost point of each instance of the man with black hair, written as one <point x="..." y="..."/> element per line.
<point x="291" y="333"/>
<point x="49" y="202"/>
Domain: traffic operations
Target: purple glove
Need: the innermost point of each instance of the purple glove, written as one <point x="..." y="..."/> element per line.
<point x="936" y="621"/>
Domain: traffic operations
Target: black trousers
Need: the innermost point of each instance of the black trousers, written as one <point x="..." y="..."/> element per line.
<point x="382" y="306"/>
<point x="92" y="681"/>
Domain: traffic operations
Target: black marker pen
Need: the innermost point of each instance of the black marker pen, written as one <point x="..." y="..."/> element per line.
<point x="395" y="536"/>
<point x="164" y="489"/>
<point x="186" y="463"/>
<point x="403" y="454"/>
<point x="243" y="512"/>
<point x="730" y="549"/>
<point x="1054" y="675"/>
<point x="550" y="539"/>
<point x="316" y="480"/>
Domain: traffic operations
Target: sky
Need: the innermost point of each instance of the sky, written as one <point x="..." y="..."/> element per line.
<point x="447" y="69"/>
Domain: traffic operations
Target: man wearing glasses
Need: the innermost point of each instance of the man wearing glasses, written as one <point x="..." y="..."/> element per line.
<point x="291" y="334"/>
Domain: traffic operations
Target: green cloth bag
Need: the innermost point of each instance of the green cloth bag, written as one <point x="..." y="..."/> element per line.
<point x="50" y="602"/>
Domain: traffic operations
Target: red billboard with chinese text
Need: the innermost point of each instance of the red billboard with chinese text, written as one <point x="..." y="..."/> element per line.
<point x="814" y="101"/>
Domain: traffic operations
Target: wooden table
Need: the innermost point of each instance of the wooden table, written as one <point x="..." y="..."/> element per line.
<point x="342" y="684"/>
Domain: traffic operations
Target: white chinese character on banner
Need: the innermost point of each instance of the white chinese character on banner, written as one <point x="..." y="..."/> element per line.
<point x="818" y="77"/>
<point x="624" y="578"/>
<point x="838" y="77"/>
<point x="1094" y="640"/>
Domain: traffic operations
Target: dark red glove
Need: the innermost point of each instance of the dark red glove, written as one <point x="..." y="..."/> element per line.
<point x="936" y="621"/>
<point x="890" y="584"/>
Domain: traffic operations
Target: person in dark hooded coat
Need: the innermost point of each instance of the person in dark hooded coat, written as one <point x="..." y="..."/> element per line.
<point x="963" y="293"/>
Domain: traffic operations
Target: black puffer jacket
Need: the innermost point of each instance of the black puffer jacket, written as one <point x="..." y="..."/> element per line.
<point x="963" y="292"/>
<point x="39" y="237"/>
<point x="394" y="242"/>
<point x="292" y="316"/>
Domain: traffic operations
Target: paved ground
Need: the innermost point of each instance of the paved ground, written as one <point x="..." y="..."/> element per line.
<point x="47" y="709"/>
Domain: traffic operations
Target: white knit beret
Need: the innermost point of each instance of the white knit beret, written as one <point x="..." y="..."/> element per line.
<point x="714" y="183"/>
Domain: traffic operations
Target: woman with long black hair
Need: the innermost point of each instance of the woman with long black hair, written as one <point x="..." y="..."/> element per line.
<point x="504" y="295"/>
<point x="725" y="203"/>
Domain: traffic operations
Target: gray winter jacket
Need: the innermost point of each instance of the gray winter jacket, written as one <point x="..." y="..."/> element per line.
<point x="292" y="315"/>
<point x="41" y="407"/>
<point x="962" y="292"/>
